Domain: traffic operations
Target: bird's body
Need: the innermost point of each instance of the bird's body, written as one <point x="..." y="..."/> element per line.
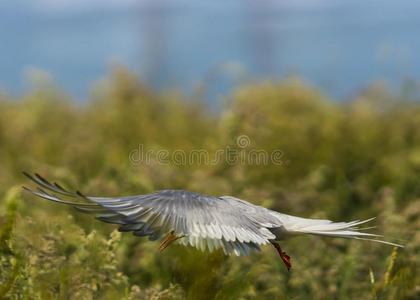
<point x="201" y="221"/>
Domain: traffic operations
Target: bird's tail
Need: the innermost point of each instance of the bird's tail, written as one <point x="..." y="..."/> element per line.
<point x="350" y="230"/>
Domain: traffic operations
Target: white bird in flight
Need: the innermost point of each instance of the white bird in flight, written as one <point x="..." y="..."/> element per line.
<point x="202" y="221"/>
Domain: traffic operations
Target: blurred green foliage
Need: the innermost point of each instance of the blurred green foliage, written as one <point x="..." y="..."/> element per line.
<point x="340" y="160"/>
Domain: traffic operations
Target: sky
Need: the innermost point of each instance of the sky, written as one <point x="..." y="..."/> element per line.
<point x="337" y="46"/>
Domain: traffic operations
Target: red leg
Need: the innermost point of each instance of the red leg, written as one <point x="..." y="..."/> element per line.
<point x="170" y="238"/>
<point x="163" y="245"/>
<point x="283" y="255"/>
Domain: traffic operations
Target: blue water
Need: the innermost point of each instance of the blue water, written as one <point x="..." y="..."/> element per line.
<point x="338" y="46"/>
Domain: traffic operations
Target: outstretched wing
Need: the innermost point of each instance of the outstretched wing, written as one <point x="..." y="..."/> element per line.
<point x="205" y="221"/>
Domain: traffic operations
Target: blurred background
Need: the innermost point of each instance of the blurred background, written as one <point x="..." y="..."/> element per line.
<point x="338" y="46"/>
<point x="333" y="85"/>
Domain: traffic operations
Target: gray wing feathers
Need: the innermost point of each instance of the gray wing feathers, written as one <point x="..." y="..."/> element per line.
<point x="207" y="222"/>
<point x="197" y="216"/>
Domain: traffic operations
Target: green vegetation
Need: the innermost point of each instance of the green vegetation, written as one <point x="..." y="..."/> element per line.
<point x="340" y="160"/>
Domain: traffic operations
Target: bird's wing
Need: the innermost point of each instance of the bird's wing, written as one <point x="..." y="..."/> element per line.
<point x="205" y="221"/>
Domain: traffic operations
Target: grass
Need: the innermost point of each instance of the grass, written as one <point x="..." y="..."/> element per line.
<point x="340" y="160"/>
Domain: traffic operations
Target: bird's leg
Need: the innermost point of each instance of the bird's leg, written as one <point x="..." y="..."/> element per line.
<point x="170" y="238"/>
<point x="164" y="242"/>
<point x="283" y="255"/>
